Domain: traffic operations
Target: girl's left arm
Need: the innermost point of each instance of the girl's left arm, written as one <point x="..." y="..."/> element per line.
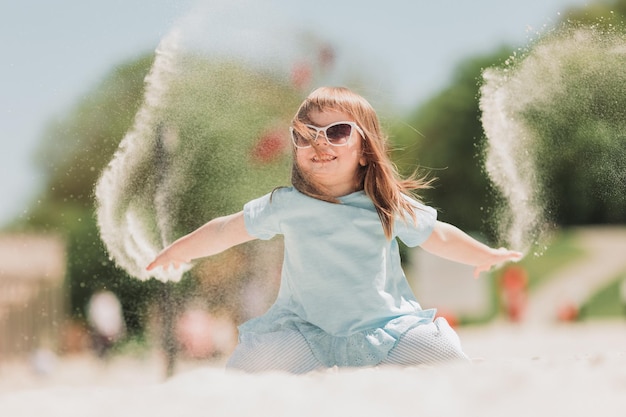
<point x="450" y="242"/>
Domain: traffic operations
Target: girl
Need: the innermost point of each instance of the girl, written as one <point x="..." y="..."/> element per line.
<point x="343" y="298"/>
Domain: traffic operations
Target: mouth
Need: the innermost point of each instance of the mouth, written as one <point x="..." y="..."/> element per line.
<point x="323" y="158"/>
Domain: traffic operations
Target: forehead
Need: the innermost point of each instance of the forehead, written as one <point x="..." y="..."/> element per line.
<point x="326" y="117"/>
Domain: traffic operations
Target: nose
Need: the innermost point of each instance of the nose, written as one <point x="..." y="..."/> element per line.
<point x="319" y="138"/>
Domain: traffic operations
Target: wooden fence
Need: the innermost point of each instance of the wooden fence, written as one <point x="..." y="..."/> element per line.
<point x="33" y="304"/>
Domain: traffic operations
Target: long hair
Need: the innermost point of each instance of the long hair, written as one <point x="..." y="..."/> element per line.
<point x="379" y="178"/>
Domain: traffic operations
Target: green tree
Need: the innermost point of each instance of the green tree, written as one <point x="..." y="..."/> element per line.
<point x="585" y="178"/>
<point x="607" y="14"/>
<point x="579" y="124"/>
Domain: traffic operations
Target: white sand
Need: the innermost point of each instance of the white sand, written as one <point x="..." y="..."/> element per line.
<point x="562" y="370"/>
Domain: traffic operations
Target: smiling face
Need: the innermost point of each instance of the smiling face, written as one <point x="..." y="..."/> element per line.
<point x="334" y="168"/>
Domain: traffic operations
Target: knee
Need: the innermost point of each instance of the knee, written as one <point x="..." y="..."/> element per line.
<point x="450" y="344"/>
<point x="281" y="351"/>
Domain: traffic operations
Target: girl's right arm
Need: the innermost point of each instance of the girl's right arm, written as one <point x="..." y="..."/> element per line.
<point x="212" y="238"/>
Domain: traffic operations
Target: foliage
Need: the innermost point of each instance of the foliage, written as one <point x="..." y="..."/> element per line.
<point x="580" y="125"/>
<point x="608" y="14"/>
<point x="233" y="142"/>
<point x="75" y="150"/>
<point x="588" y="176"/>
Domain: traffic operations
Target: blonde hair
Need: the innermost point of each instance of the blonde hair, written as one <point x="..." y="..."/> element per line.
<point x="379" y="177"/>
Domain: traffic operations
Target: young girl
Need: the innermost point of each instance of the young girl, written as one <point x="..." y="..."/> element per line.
<point x="343" y="298"/>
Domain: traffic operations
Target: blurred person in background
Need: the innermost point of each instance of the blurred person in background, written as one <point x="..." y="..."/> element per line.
<point x="106" y="321"/>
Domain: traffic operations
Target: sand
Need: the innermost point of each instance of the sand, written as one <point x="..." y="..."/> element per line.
<point x="516" y="370"/>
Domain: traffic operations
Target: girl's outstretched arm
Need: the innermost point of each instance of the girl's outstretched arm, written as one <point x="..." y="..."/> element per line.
<point x="451" y="243"/>
<point x="213" y="237"/>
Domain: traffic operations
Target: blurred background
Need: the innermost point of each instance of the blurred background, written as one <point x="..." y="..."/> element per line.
<point x="74" y="84"/>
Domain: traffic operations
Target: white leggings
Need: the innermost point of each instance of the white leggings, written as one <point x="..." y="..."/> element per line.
<point x="289" y="351"/>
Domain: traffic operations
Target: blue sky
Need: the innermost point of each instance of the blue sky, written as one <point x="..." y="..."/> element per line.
<point x="57" y="51"/>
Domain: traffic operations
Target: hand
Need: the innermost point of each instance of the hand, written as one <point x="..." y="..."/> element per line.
<point x="165" y="259"/>
<point x="498" y="256"/>
<point x="156" y="263"/>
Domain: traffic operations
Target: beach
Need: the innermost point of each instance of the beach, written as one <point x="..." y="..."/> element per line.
<point x="564" y="369"/>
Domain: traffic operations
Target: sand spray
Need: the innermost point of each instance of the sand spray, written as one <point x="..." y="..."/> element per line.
<point x="565" y="92"/>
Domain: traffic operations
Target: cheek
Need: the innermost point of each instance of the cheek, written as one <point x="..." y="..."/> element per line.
<point x="300" y="156"/>
<point x="356" y="152"/>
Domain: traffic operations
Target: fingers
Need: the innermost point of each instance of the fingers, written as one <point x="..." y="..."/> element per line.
<point x="157" y="263"/>
<point x="511" y="255"/>
<point x="516" y="256"/>
<point x="166" y="265"/>
<point x="505" y="256"/>
<point x="477" y="271"/>
<point x="481" y="268"/>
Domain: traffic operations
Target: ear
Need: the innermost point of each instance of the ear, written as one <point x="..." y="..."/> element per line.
<point x="362" y="161"/>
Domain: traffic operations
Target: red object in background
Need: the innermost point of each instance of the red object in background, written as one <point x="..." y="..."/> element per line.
<point x="514" y="292"/>
<point x="567" y="311"/>
<point x="450" y="317"/>
<point x="270" y="146"/>
<point x="201" y="335"/>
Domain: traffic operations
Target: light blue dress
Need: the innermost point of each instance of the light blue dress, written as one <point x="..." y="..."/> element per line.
<point x="342" y="286"/>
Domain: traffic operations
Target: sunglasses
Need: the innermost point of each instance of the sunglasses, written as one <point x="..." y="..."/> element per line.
<point x="336" y="134"/>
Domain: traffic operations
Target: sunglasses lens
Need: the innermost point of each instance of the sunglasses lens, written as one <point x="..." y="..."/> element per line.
<point x="299" y="140"/>
<point x="339" y="133"/>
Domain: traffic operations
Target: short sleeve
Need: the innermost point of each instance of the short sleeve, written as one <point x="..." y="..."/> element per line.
<point x="260" y="217"/>
<point x="415" y="233"/>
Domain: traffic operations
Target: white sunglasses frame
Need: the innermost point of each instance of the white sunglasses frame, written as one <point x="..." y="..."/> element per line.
<point x="323" y="129"/>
